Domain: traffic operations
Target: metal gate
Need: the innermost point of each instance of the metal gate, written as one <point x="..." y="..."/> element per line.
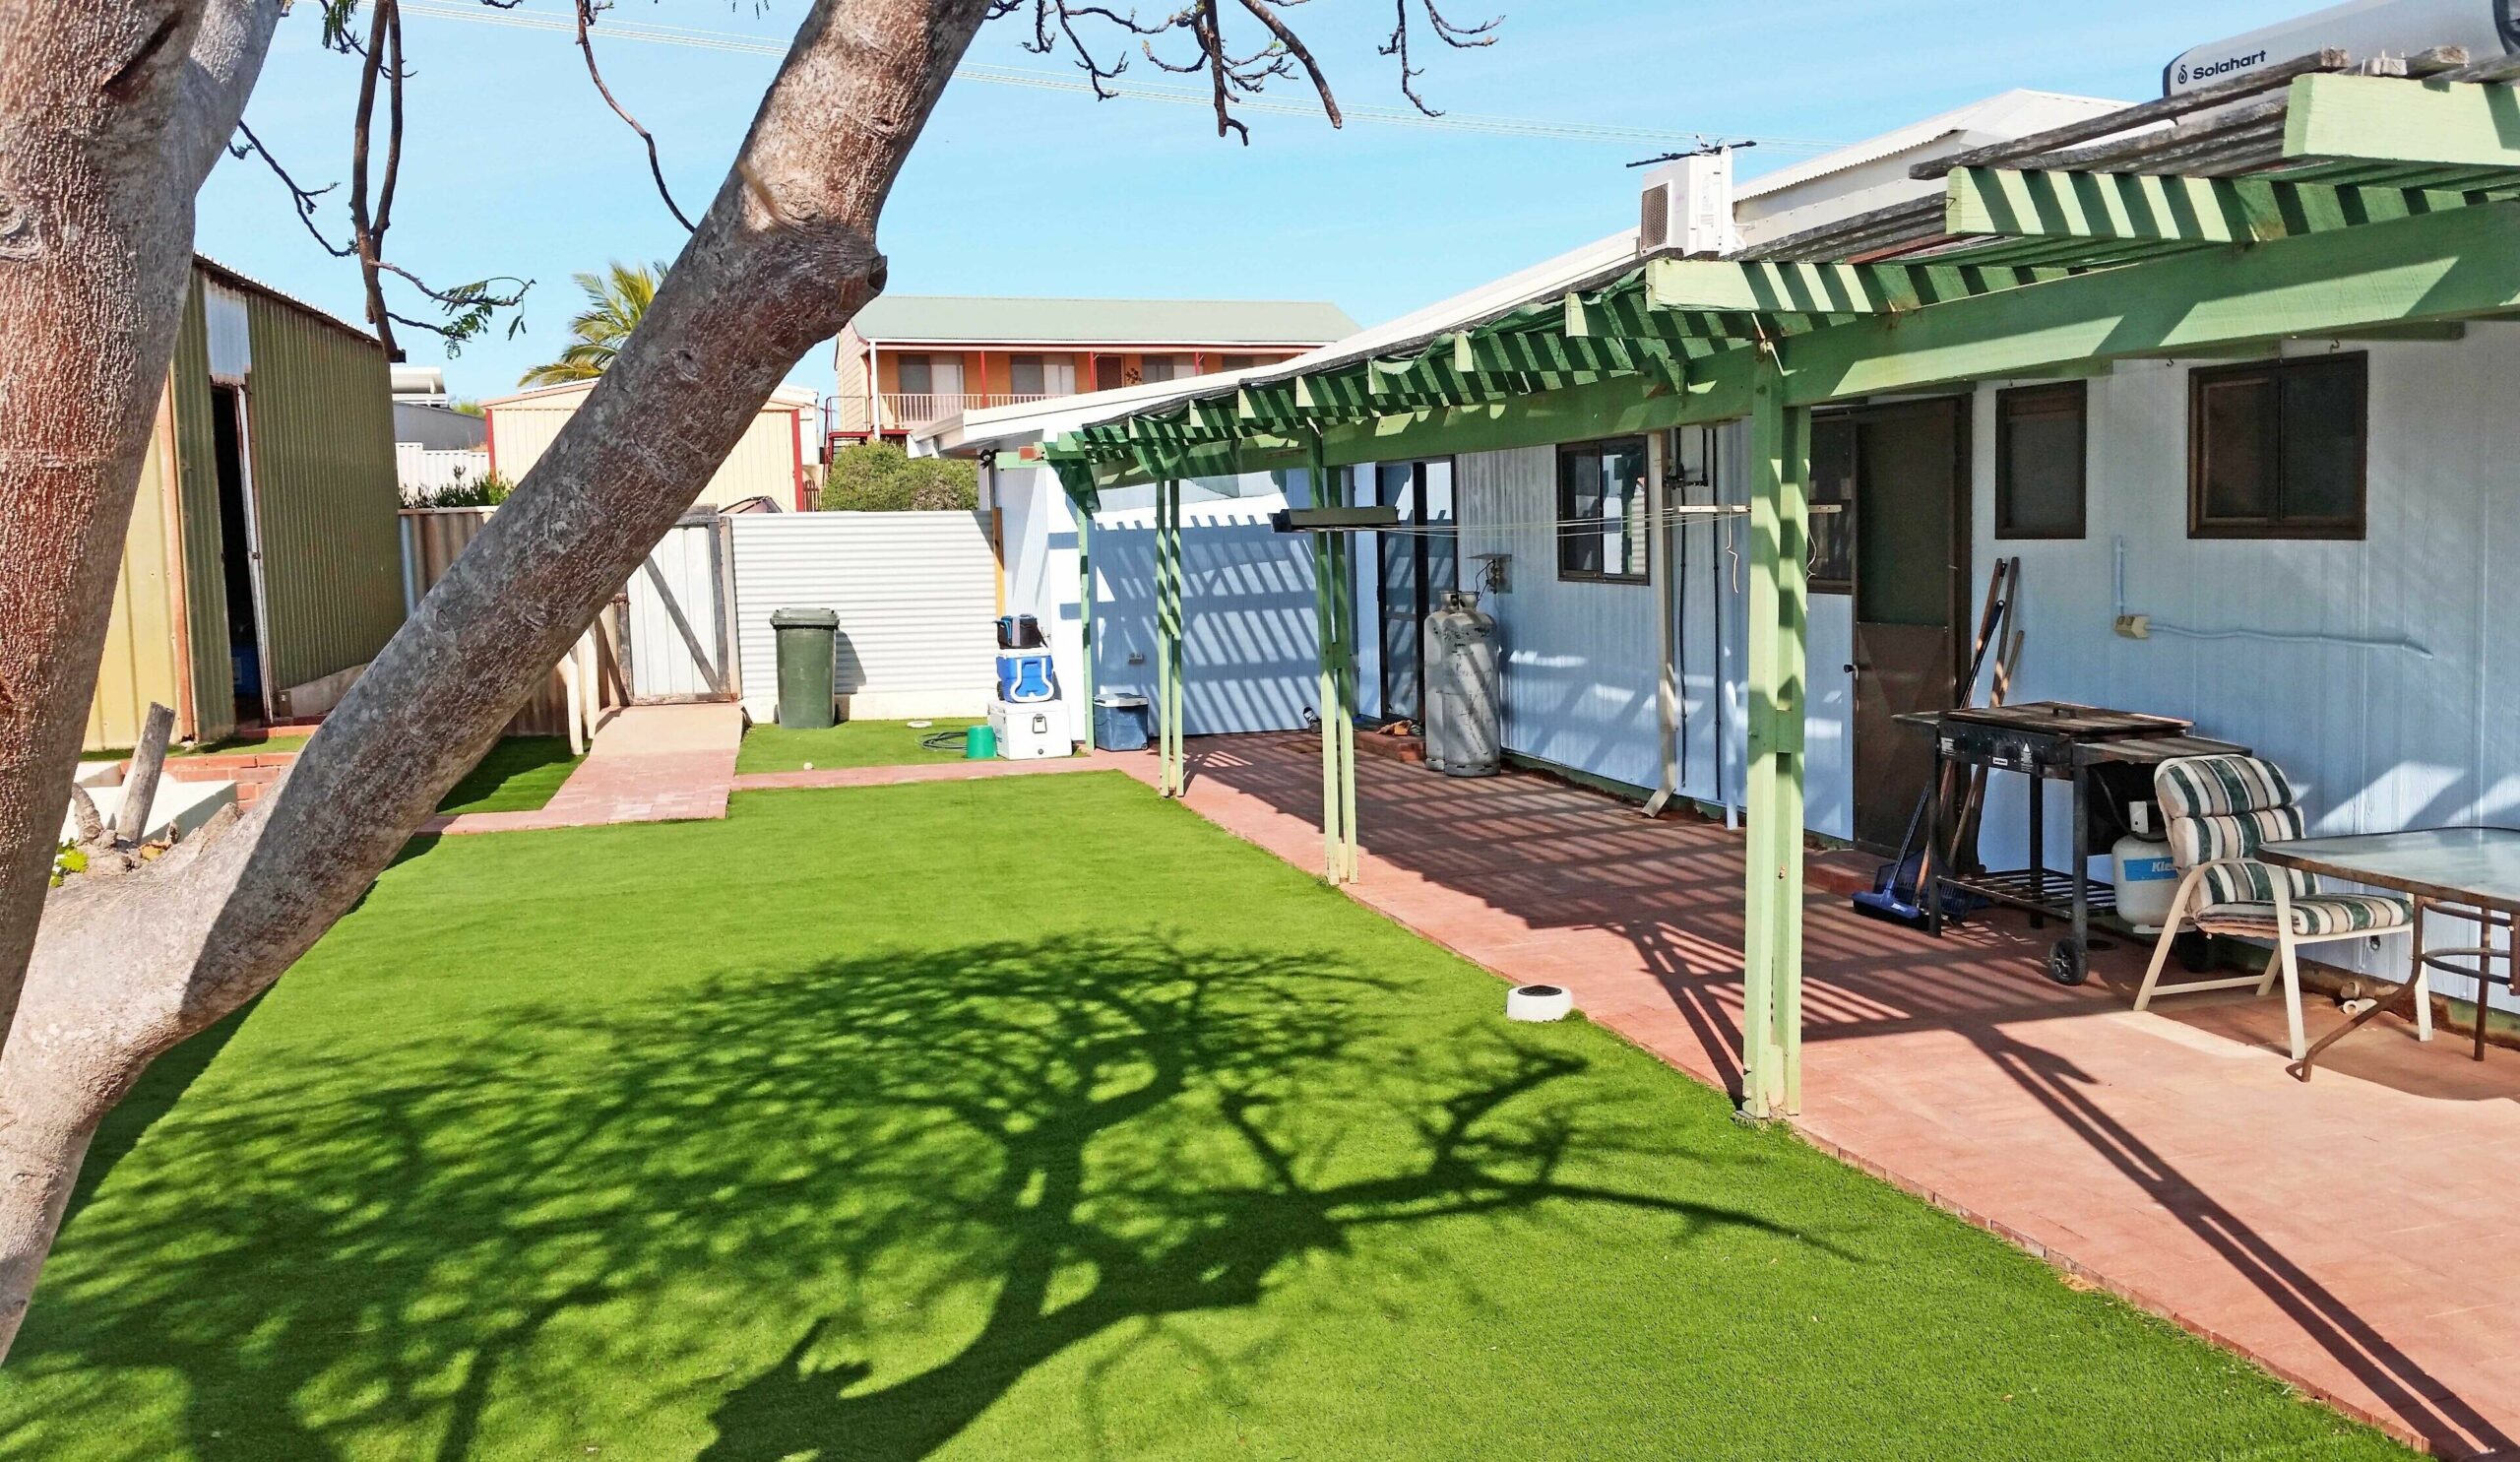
<point x="682" y="633"/>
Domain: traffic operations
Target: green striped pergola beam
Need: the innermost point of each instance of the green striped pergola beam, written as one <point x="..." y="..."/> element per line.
<point x="2132" y="207"/>
<point x="1775" y="287"/>
<point x="2446" y="265"/>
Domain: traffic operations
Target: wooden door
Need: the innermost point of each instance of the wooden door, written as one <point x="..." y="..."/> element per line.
<point x="1910" y="542"/>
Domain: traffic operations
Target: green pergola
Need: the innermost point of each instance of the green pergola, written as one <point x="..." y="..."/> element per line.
<point x="2320" y="197"/>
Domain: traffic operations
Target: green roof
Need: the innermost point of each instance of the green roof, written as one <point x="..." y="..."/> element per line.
<point x="1118" y="322"/>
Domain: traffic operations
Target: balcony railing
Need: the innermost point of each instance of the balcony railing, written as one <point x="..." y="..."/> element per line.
<point x="904" y="410"/>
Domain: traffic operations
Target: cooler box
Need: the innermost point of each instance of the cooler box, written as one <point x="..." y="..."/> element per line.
<point x="1120" y="722"/>
<point x="1029" y="730"/>
<point x="1025" y="677"/>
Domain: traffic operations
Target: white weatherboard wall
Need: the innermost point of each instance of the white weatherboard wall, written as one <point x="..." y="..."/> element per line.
<point x="2375" y="735"/>
<point x="1250" y="650"/>
<point x="917" y="594"/>
<point x="2374" y="738"/>
<point x="1580" y="657"/>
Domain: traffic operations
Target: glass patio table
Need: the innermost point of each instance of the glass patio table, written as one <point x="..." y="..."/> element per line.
<point x="2472" y="872"/>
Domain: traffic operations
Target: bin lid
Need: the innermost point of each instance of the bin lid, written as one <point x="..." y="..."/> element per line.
<point x="1120" y="698"/>
<point x="803" y="619"/>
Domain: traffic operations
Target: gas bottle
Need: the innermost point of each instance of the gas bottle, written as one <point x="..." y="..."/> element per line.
<point x="2147" y="882"/>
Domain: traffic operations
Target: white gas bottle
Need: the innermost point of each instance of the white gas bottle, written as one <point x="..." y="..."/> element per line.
<point x="2147" y="875"/>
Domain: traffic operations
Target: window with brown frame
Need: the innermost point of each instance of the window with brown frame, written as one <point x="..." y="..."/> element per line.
<point x="2041" y="434"/>
<point x="2278" y="449"/>
<point x="1833" y="453"/>
<point x="1600" y="511"/>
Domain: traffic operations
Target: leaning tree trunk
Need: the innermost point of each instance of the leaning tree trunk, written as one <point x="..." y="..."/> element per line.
<point x="110" y="116"/>
<point x="125" y="968"/>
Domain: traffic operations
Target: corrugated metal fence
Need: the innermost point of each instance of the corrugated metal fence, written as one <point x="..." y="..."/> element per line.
<point x="915" y="594"/>
<point x="432" y="538"/>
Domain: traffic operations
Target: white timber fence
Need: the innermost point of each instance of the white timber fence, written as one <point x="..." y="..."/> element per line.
<point x="419" y="470"/>
<point x="916" y="593"/>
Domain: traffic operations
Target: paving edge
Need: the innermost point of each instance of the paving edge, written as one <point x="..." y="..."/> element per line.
<point x="2064" y="1263"/>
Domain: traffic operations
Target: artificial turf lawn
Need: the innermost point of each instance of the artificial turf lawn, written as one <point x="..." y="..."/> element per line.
<point x="518" y="774"/>
<point x="1074" y="1130"/>
<point x="771" y="747"/>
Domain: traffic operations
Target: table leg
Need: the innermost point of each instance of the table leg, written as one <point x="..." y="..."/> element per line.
<point x="2405" y="996"/>
<point x="2037" y="848"/>
<point x="1928" y="882"/>
<point x="2081" y="855"/>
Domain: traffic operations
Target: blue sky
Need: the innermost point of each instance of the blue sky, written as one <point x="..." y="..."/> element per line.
<point x="514" y="166"/>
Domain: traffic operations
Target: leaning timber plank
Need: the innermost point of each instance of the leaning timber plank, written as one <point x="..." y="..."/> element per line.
<point x="2203" y="99"/>
<point x="2476" y="125"/>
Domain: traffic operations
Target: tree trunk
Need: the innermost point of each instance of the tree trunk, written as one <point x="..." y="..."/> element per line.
<point x="110" y="116"/>
<point x="125" y="968"/>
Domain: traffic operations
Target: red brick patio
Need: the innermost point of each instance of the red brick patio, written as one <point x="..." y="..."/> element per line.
<point x="2359" y="1236"/>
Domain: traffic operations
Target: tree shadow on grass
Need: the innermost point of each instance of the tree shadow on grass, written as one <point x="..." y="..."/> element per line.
<point x="842" y="1209"/>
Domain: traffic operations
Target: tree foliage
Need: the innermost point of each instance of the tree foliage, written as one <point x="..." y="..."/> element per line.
<point x="616" y="299"/>
<point x="881" y="477"/>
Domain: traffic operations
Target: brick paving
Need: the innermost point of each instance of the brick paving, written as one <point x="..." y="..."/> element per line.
<point x="938" y="771"/>
<point x="649" y="764"/>
<point x="2357" y="1236"/>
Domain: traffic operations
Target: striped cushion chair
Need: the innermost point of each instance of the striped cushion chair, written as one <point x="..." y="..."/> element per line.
<point x="2220" y="810"/>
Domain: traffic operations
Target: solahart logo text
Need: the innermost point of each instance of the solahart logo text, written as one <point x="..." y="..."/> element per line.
<point x="2205" y="71"/>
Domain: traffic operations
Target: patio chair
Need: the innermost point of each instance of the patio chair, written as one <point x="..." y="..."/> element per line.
<point x="2220" y="810"/>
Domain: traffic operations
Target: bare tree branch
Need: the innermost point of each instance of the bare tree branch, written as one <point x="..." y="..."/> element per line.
<point x="1451" y="33"/>
<point x="1060" y="27"/>
<point x="656" y="166"/>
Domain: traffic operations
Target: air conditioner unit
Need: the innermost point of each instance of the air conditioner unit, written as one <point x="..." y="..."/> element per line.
<point x="2362" y="28"/>
<point x="1687" y="206"/>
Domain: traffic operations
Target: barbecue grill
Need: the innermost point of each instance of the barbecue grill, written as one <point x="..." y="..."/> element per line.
<point x="2047" y="742"/>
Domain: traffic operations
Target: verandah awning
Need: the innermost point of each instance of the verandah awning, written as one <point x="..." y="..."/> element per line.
<point x="2316" y="198"/>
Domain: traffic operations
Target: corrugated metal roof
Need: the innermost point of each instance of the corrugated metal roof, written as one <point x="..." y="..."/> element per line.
<point x="1133" y="322"/>
<point x="237" y="280"/>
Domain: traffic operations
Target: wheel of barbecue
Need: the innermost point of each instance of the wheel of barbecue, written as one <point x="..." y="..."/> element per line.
<point x="2069" y="963"/>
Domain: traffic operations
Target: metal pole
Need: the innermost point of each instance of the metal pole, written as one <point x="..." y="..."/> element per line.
<point x="1658" y="568"/>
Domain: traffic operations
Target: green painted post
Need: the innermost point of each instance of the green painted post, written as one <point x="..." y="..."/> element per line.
<point x="1772" y="895"/>
<point x="1165" y="629"/>
<point x="1343" y="605"/>
<point x="1180" y="779"/>
<point x="1325" y="631"/>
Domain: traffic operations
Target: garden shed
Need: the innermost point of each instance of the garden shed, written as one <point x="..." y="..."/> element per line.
<point x="262" y="568"/>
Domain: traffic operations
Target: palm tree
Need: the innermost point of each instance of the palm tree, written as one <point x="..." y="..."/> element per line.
<point x="616" y="299"/>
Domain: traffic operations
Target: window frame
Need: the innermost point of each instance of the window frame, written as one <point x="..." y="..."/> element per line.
<point x="2278" y="524"/>
<point x="2006" y="399"/>
<point x="1565" y="517"/>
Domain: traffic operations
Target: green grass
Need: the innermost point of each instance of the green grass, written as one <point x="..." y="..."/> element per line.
<point x="1070" y="1129"/>
<point x="770" y="747"/>
<point x="518" y="774"/>
<point x="291" y="741"/>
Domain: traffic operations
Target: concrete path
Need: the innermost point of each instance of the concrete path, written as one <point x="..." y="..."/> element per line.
<point x="2357" y="1236"/>
<point x="649" y="764"/>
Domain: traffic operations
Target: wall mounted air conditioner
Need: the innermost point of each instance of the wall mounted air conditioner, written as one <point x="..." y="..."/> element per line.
<point x="2362" y="28"/>
<point x="1687" y="204"/>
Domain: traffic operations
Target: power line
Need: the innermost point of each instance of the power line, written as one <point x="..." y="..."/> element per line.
<point x="1053" y="81"/>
